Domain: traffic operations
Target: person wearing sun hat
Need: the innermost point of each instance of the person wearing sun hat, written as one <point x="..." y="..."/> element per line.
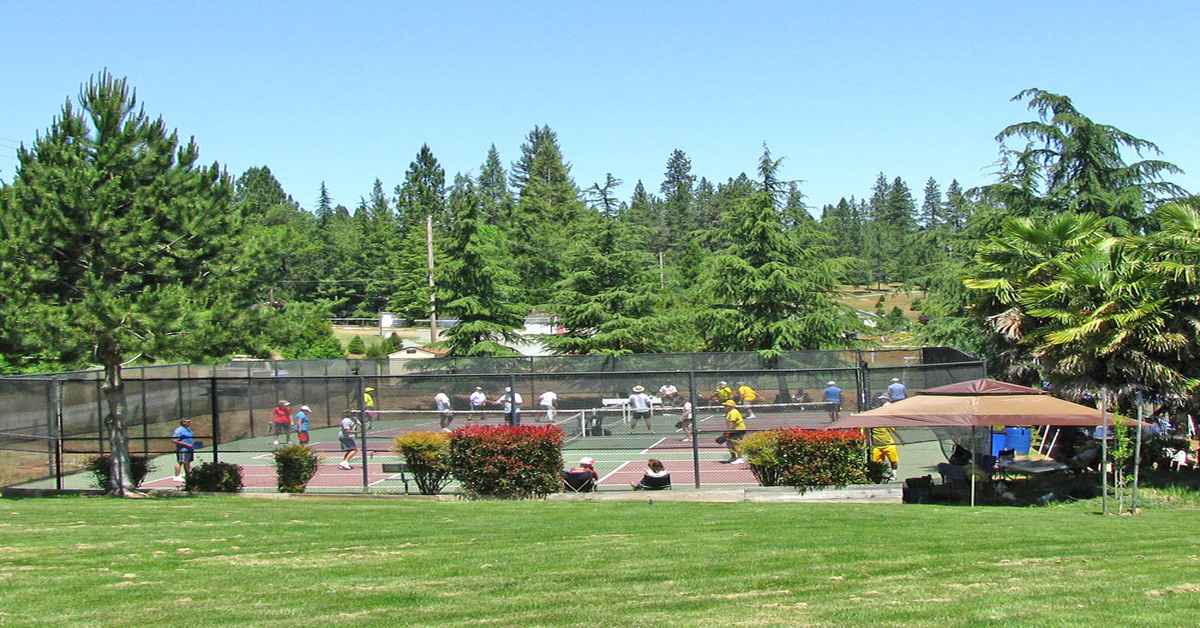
<point x="723" y="393"/>
<point x="281" y="422"/>
<point x="639" y="404"/>
<point x="582" y="477"/>
<point x="897" y="391"/>
<point x="301" y="422"/>
<point x="477" y="400"/>
<point x="833" y="397"/>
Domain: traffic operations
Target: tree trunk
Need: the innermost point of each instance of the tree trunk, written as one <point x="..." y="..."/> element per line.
<point x="121" y="483"/>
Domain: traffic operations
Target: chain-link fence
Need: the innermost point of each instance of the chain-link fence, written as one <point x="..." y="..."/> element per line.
<point x="52" y="425"/>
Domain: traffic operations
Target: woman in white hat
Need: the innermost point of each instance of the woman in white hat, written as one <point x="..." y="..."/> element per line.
<point x="301" y="422"/>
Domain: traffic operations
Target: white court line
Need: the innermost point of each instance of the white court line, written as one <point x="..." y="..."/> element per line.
<point x="656" y="443"/>
<point x="380" y="481"/>
<point x="610" y="473"/>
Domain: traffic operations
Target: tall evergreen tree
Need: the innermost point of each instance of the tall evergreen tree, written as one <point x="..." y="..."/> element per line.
<point x="677" y="215"/>
<point x="537" y="138"/>
<point x="493" y="189"/>
<point x="423" y="192"/>
<point x="477" y="285"/>
<point x="608" y="298"/>
<point x="955" y="209"/>
<point x="931" y="205"/>
<point x="795" y="212"/>
<point x="115" y="244"/>
<point x="602" y="197"/>
<point x="324" y="204"/>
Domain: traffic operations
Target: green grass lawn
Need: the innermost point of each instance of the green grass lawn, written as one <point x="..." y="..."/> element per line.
<point x="203" y="560"/>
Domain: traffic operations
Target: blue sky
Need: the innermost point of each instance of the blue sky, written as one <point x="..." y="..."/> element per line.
<point x="842" y="90"/>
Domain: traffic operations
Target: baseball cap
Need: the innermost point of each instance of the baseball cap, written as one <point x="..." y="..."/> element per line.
<point x="831" y="383"/>
<point x="729" y="403"/>
<point x="507" y="389"/>
<point x="587" y="461"/>
<point x="306" y="408"/>
<point x="368" y="389"/>
<point x="284" y="402"/>
<point x="722" y="383"/>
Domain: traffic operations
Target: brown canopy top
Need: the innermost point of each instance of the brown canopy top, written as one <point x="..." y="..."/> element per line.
<point x="992" y="403"/>
<point x="982" y="387"/>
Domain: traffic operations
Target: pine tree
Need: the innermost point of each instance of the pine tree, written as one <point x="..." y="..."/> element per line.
<point x="493" y="189"/>
<point x="602" y="197"/>
<point x="477" y="285"/>
<point x="607" y="299"/>
<point x="772" y="291"/>
<point x="423" y="192"/>
<point x="899" y="223"/>
<point x="324" y="205"/>
<point x="931" y="206"/>
<point x="955" y="209"/>
<point x="705" y="203"/>
<point x="115" y="244"/>
<point x="795" y="212"/>
<point x="678" y="215"/>
<point x="537" y="138"/>
<point x="409" y="264"/>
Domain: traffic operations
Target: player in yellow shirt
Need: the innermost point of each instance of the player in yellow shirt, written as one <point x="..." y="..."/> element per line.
<point x="748" y="396"/>
<point x="723" y="393"/>
<point x="883" y="447"/>
<point x="735" y="429"/>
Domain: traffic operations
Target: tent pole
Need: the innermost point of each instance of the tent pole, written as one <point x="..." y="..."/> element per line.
<point x="1104" y="459"/>
<point x="974" y="445"/>
<point x="1137" y="452"/>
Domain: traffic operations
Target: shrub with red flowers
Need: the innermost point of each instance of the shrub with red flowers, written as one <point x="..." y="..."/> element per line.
<point x="506" y="461"/>
<point x="803" y="458"/>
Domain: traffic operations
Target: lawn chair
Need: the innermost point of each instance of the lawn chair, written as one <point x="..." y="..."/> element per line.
<point x="578" y="482"/>
<point x="654" y="483"/>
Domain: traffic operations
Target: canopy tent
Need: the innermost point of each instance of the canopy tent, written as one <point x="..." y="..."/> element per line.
<point x="976" y="403"/>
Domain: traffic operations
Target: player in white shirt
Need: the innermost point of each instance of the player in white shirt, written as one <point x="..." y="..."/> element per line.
<point x="445" y="413"/>
<point x="685" y="422"/>
<point x="668" y="393"/>
<point x="346" y="439"/>
<point x="478" y="400"/>
<point x="548" y="401"/>
<point x="512" y="407"/>
<point x="639" y="403"/>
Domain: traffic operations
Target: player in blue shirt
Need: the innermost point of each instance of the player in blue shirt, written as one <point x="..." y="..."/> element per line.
<point x="185" y="449"/>
<point x="897" y="391"/>
<point x="833" y="397"/>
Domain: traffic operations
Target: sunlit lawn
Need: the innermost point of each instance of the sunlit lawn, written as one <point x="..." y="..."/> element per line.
<point x="204" y="560"/>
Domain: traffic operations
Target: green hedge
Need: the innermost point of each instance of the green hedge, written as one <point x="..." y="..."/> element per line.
<point x="507" y="462"/>
<point x="101" y="470"/>
<point x="428" y="457"/>
<point x="802" y="458"/>
<point x="295" y="465"/>
<point x="214" y="477"/>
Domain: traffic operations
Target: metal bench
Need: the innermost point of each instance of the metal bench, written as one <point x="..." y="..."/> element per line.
<point x="400" y="469"/>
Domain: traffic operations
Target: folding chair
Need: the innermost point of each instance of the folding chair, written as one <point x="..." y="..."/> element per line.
<point x="652" y="483"/>
<point x="578" y="482"/>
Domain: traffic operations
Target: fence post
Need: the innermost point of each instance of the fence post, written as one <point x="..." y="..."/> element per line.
<point x="99" y="419"/>
<point x="179" y="389"/>
<point x="58" y="429"/>
<point x="328" y="407"/>
<point x="514" y="415"/>
<point x="695" y="421"/>
<point x="362" y="430"/>
<point x="216" y="418"/>
<point x="50" y="388"/>
<point x="250" y="399"/>
<point x="1137" y="452"/>
<point x="145" y="421"/>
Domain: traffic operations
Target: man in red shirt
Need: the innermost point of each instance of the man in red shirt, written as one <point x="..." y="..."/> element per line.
<point x="281" y="422"/>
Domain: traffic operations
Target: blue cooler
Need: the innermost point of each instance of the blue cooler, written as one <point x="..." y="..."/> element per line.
<point x="1018" y="439"/>
<point x="999" y="441"/>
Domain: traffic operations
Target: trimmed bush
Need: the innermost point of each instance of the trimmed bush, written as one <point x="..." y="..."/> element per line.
<point x="506" y="461"/>
<point x="214" y="477"/>
<point x="761" y="451"/>
<point x="101" y="469"/>
<point x="822" y="457"/>
<point x="295" y="465"/>
<point x="356" y="346"/>
<point x="428" y="457"/>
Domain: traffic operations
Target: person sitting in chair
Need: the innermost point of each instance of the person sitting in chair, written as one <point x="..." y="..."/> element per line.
<point x="582" y="477"/>
<point x="656" y="477"/>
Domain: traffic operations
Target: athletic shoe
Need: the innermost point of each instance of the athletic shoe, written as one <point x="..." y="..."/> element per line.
<point x="344" y="465"/>
<point x="738" y="461"/>
<point x="177" y="478"/>
<point x="276" y="443"/>
<point x="446" y="429"/>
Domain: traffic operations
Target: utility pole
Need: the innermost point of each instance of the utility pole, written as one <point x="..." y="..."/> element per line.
<point x="662" y="278"/>
<point x="433" y="330"/>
